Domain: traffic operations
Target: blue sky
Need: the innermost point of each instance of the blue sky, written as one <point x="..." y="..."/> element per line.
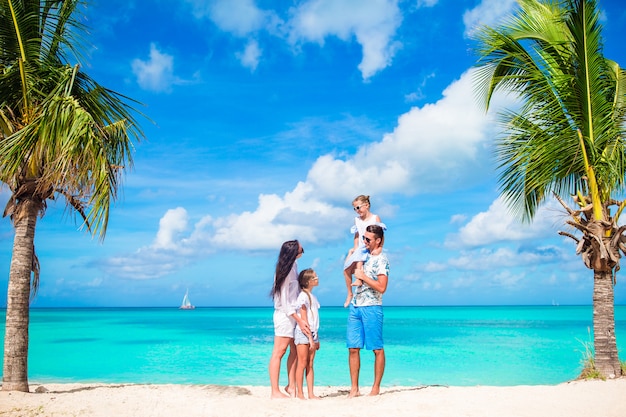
<point x="268" y="118"/>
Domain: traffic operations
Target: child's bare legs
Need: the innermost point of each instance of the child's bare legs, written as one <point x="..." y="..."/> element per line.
<point x="357" y="282"/>
<point x="309" y="373"/>
<point x="347" y="274"/>
<point x="303" y="360"/>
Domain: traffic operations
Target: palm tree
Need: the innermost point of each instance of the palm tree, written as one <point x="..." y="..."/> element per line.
<point x="567" y="137"/>
<point x="62" y="136"/>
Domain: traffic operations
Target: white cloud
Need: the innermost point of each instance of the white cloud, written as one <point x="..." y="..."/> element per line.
<point x="498" y="225"/>
<point x="458" y="218"/>
<point x="487" y="12"/>
<point x="239" y="17"/>
<point x="464" y="282"/>
<point x="156" y="74"/>
<point x="507" y="279"/>
<point x="426" y="152"/>
<point x="296" y="215"/>
<point x="171" y="225"/>
<point x="250" y="56"/>
<point x="426" y="3"/>
<point x="433" y="148"/>
<point x="95" y="282"/>
<point x="429" y="286"/>
<point x="418" y="94"/>
<point x="145" y="263"/>
<point x="372" y="24"/>
<point x="435" y="267"/>
<point x="486" y="259"/>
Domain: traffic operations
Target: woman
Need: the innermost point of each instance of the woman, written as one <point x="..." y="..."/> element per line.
<point x="285" y="293"/>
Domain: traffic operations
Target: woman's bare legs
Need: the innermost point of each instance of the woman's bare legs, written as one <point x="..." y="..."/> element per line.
<point x="292" y="362"/>
<point x="280" y="347"/>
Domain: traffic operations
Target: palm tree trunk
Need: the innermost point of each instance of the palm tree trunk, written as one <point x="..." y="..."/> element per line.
<point x="15" y="372"/>
<point x="605" y="346"/>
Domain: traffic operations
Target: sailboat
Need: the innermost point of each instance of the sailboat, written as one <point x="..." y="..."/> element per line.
<point x="186" y="305"/>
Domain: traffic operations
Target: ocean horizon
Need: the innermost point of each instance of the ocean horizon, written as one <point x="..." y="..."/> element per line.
<point x="424" y="345"/>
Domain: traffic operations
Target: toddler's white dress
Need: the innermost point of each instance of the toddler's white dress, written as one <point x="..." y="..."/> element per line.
<point x="360" y="253"/>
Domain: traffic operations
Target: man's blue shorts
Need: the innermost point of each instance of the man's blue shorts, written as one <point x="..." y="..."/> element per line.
<point x="365" y="327"/>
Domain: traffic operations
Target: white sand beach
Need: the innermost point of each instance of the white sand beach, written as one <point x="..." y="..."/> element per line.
<point x="572" y="399"/>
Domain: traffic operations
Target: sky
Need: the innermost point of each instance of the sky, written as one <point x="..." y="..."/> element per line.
<point x="265" y="119"/>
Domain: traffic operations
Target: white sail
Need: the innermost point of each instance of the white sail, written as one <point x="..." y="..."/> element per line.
<point x="186" y="304"/>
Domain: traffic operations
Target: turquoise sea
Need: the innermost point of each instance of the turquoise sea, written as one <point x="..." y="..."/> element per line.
<point x="231" y="346"/>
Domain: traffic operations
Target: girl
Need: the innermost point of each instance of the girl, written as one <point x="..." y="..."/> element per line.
<point x="307" y="345"/>
<point x="285" y="293"/>
<point x="358" y="253"/>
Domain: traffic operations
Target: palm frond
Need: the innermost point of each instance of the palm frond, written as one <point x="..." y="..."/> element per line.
<point x="550" y="55"/>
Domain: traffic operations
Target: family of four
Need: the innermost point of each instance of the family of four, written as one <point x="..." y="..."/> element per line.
<point x="296" y="319"/>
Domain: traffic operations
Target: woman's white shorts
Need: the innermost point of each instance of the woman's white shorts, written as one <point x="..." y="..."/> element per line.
<point x="284" y="325"/>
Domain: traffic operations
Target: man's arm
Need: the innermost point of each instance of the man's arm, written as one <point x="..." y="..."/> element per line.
<point x="379" y="285"/>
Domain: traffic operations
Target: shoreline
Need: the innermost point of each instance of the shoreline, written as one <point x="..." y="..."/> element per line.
<point x="572" y="399"/>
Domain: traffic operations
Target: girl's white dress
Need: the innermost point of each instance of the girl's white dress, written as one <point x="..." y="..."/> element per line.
<point x="312" y="312"/>
<point x="360" y="253"/>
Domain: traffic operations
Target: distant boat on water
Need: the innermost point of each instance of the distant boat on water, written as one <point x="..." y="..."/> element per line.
<point x="186" y="304"/>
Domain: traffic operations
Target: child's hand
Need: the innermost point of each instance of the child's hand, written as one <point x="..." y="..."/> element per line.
<point x="304" y="326"/>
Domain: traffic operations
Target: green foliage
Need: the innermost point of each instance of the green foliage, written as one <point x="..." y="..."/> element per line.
<point x="589" y="370"/>
<point x="61" y="133"/>
<point x="568" y="134"/>
<point x="566" y="138"/>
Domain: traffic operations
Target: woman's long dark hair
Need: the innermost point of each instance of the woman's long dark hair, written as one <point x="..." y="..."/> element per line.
<point x="287" y="256"/>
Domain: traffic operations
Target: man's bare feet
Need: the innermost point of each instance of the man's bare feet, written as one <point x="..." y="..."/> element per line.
<point x="291" y="391"/>
<point x="374" y="392"/>
<point x="314" y="397"/>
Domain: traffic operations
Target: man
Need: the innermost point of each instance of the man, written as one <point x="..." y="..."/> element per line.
<point x="365" y="320"/>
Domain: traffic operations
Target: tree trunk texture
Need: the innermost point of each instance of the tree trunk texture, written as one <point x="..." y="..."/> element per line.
<point x="605" y="345"/>
<point x="15" y="370"/>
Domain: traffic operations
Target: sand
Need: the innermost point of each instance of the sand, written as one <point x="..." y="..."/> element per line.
<point x="572" y="399"/>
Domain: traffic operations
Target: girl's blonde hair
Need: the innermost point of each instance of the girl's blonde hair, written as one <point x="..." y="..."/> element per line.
<point x="303" y="280"/>
<point x="363" y="199"/>
<point x="305" y="277"/>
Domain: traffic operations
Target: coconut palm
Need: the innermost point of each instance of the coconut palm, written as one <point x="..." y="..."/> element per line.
<point x="62" y="136"/>
<point x="566" y="138"/>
